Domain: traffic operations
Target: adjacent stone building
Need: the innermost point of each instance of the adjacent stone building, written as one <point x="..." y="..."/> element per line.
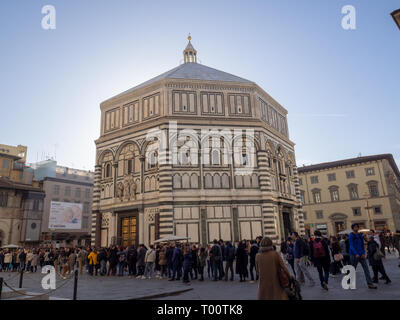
<point x="68" y="185"/>
<point x="21" y="199"/>
<point x="365" y="190"/>
<point x="194" y="152"/>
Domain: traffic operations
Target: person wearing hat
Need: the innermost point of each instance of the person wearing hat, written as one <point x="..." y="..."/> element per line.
<point x="268" y="265"/>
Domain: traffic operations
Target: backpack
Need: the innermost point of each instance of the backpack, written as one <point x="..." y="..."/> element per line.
<point x="231" y="254"/>
<point x="319" y="250"/>
<point x="306" y="248"/>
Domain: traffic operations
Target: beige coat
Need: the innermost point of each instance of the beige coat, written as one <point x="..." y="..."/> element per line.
<point x="268" y="263"/>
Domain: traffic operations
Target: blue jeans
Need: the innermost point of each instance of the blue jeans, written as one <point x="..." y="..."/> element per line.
<point x="177" y="271"/>
<point x="121" y="267"/>
<point x="323" y="271"/>
<point x="354" y="261"/>
<point x="216" y="269"/>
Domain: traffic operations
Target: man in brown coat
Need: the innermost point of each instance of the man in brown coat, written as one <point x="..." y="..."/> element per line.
<point x="268" y="264"/>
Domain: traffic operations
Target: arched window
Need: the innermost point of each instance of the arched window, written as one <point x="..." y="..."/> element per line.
<point x="126" y="160"/>
<point x="108" y="170"/>
<point x="106" y="163"/>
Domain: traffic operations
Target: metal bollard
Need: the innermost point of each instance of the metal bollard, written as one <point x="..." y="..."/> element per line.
<point x="1" y="286"/>
<point x="21" y="277"/>
<point x="75" y="284"/>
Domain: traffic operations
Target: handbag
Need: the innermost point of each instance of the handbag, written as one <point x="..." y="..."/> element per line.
<point x="338" y="257"/>
<point x="283" y="278"/>
<point x="378" y="255"/>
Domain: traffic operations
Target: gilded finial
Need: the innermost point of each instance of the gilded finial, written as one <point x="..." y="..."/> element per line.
<point x="189" y="37"/>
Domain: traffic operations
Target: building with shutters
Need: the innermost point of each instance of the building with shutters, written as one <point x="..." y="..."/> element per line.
<point x="363" y="190"/>
<point x="194" y="152"/>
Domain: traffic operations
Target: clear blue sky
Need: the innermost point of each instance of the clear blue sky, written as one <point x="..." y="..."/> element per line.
<point x="341" y="88"/>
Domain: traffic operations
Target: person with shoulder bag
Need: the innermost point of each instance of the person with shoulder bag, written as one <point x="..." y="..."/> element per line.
<point x="274" y="277"/>
<point x="375" y="255"/>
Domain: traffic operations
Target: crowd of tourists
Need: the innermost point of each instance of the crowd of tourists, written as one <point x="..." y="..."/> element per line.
<point x="255" y="260"/>
<point x="329" y="255"/>
<point x="175" y="261"/>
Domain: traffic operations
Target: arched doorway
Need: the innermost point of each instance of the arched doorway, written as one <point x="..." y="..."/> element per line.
<point x="339" y="222"/>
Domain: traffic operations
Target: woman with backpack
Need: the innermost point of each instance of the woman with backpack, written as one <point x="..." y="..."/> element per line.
<point x="320" y="257"/>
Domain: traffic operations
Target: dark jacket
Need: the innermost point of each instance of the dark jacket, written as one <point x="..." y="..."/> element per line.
<point x="168" y="254"/>
<point x="299" y="249"/>
<point x="141" y="256"/>
<point x="229" y="252"/>
<point x="242" y="260"/>
<point x="372" y="247"/>
<point x="324" y="260"/>
<point x="187" y="260"/>
<point x="177" y="257"/>
<point x="253" y="252"/>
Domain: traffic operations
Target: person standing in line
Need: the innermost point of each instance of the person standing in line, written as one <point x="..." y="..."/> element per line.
<point x="320" y="257"/>
<point x="215" y="258"/>
<point x="35" y="261"/>
<point x="201" y="262"/>
<point x="141" y="261"/>
<point x="150" y="259"/>
<point x="187" y="263"/>
<point x="102" y="259"/>
<point x="221" y="261"/>
<point x="290" y="254"/>
<point x="253" y="253"/>
<point x="81" y="260"/>
<point x="121" y="261"/>
<point x="209" y="266"/>
<point x="64" y="264"/>
<point x="132" y="259"/>
<point x="8" y="260"/>
<point x="71" y="261"/>
<point x="162" y="261"/>
<point x="177" y="260"/>
<point x="269" y="265"/>
<point x="357" y="253"/>
<point x="242" y="261"/>
<point x="230" y="258"/>
<point x="113" y="261"/>
<point x="194" y="263"/>
<point x="92" y="261"/>
<point x="169" y="252"/>
<point x="299" y="252"/>
<point x="29" y="258"/>
<point x="22" y="260"/>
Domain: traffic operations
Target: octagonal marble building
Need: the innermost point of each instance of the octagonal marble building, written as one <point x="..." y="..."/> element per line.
<point x="143" y="191"/>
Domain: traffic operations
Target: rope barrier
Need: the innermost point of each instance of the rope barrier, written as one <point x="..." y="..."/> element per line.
<point x="36" y="295"/>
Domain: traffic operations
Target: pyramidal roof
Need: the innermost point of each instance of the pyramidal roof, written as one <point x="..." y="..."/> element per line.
<point x="191" y="71"/>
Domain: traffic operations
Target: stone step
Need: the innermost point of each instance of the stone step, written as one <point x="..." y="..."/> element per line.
<point x="8" y="293"/>
<point x="31" y="296"/>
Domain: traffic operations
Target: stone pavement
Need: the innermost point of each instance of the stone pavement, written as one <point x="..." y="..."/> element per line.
<point x="120" y="288"/>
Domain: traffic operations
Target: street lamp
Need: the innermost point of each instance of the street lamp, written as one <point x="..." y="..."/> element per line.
<point x="396" y="17"/>
<point x="371" y="222"/>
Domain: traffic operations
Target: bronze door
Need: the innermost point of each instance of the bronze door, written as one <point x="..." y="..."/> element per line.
<point x="129" y="231"/>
